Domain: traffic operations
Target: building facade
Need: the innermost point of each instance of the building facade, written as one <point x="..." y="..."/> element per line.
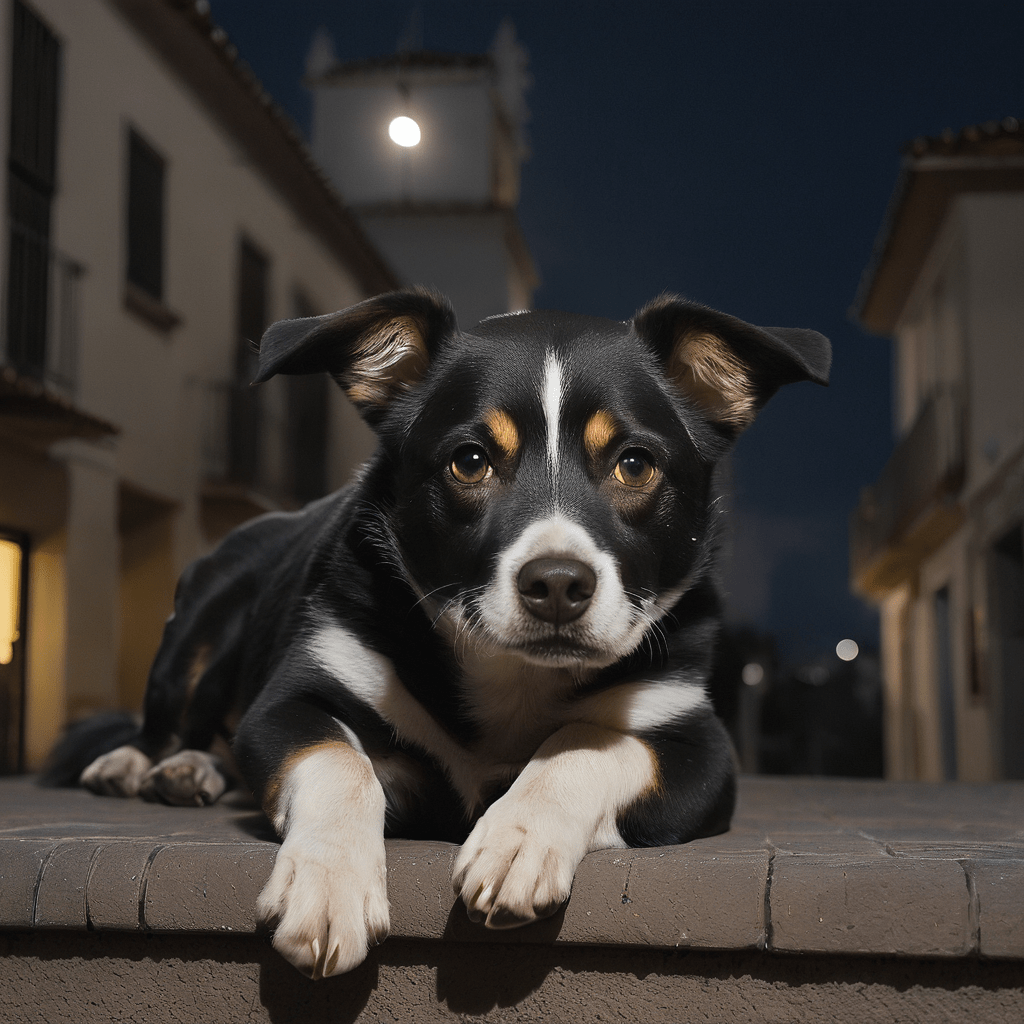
<point x="441" y="206"/>
<point x="159" y="213"/>
<point x="936" y="541"/>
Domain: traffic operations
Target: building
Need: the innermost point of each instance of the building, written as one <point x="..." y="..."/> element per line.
<point x="439" y="203"/>
<point x="160" y="212"/>
<point x="936" y="541"/>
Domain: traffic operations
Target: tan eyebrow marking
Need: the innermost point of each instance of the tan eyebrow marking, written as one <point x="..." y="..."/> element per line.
<point x="599" y="432"/>
<point x="503" y="430"/>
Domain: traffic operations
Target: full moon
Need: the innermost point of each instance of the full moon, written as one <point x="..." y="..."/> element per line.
<point x="404" y="131"/>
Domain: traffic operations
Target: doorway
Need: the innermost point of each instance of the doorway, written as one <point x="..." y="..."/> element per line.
<point x="13" y="592"/>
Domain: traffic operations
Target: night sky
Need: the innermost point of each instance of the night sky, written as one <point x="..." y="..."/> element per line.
<point x="741" y="154"/>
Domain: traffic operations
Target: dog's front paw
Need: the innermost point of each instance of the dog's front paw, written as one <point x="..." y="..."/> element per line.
<point x="328" y="903"/>
<point x="517" y="864"/>
<point x="188" y="778"/>
<point x="118" y="773"/>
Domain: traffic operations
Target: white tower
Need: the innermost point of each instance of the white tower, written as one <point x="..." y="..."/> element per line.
<point x="438" y="201"/>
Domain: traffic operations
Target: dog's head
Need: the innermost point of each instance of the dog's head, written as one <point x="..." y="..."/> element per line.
<point x="546" y="477"/>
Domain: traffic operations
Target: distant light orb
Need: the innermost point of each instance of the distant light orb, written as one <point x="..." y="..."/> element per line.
<point x="847" y="650"/>
<point x="404" y="131"/>
<point x="752" y="673"/>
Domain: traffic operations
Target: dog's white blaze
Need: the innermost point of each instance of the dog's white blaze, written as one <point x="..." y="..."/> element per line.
<point x="328" y="887"/>
<point x="638" y="707"/>
<point x="372" y="678"/>
<point x="551" y="400"/>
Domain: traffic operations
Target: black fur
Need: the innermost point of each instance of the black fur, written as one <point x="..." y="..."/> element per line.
<point x="403" y="568"/>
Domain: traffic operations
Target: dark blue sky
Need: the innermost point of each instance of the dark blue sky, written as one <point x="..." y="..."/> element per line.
<point x="739" y="153"/>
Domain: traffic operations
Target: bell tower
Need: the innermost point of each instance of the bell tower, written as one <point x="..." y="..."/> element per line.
<point x="426" y="150"/>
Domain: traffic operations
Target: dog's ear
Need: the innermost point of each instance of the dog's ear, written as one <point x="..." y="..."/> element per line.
<point x="375" y="350"/>
<point x="726" y="367"/>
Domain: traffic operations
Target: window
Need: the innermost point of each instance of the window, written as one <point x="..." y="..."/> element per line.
<point x="145" y="217"/>
<point x="251" y="319"/>
<point x="31" y="181"/>
<point x="1006" y="580"/>
<point x="308" y="405"/>
<point x="944" y="679"/>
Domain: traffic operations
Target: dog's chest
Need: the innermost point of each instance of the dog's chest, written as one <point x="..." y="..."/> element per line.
<point x="514" y="705"/>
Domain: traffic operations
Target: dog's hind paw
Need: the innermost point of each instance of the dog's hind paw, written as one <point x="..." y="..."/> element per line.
<point x="516" y="866"/>
<point x="118" y="773"/>
<point x="187" y="778"/>
<point x="327" y="903"/>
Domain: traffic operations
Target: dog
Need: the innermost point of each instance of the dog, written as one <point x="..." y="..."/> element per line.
<point x="498" y="635"/>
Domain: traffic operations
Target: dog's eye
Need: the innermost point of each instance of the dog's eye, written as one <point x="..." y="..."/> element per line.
<point x="470" y="464"/>
<point x="635" y="467"/>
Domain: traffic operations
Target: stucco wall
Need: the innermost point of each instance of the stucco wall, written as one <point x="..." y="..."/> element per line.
<point x="85" y="650"/>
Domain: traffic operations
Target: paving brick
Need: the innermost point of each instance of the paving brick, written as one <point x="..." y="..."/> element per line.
<point x="21" y="861"/>
<point x="1000" y="888"/>
<point x="206" y="887"/>
<point x="858" y="867"/>
<point x="61" y="892"/>
<point x="877" y="904"/>
<point x="420" y="888"/>
<point x="597" y="906"/>
<point x="673" y="896"/>
<point x="115" y="885"/>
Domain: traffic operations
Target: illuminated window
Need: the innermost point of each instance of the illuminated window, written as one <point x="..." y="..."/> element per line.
<point x="10" y="599"/>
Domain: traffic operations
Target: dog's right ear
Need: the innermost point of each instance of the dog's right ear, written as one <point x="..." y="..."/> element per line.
<point x="375" y="350"/>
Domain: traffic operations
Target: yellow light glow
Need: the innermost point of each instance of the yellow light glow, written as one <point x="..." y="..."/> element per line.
<point x="404" y="131"/>
<point x="10" y="598"/>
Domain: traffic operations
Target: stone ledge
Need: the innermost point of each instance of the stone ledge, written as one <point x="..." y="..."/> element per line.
<point x="828" y="867"/>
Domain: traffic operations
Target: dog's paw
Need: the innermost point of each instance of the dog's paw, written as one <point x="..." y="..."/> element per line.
<point x="517" y="864"/>
<point x="187" y="778"/>
<point x="327" y="902"/>
<point x="119" y="773"/>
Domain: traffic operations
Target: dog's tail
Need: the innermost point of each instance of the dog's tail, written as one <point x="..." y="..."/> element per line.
<point x="83" y="742"/>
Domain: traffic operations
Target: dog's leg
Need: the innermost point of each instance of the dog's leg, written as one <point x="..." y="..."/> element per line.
<point x="518" y="862"/>
<point x="327" y="895"/>
<point x="117" y="773"/>
<point x="187" y="778"/>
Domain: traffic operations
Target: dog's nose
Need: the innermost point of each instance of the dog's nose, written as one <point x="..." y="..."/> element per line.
<point x="556" y="590"/>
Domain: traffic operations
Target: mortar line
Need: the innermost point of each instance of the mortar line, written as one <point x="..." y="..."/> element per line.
<point x="768" y="897"/>
<point x="144" y="884"/>
<point x="973" y="906"/>
<point x="39" y="877"/>
<point x="88" y="884"/>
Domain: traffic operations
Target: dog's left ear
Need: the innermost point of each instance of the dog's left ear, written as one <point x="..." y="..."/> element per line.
<point x="375" y="350"/>
<point x="727" y="367"/>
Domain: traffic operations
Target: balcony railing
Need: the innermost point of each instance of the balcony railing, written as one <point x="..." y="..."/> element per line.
<point x="926" y="467"/>
<point x="42" y="312"/>
<point x="268" y="442"/>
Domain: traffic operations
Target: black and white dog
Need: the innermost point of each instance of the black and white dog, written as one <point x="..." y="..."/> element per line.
<point x="499" y="635"/>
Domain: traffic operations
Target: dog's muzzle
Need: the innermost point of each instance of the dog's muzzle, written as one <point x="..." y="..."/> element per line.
<point x="556" y="590"/>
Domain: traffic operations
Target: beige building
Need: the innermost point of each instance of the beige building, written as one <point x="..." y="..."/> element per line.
<point x="937" y="540"/>
<point x="160" y="212"/>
